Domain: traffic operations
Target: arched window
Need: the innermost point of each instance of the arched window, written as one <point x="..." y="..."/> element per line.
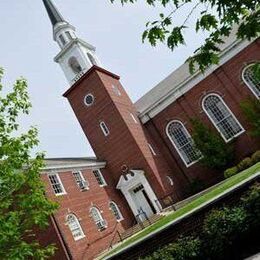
<point x="221" y="117"/>
<point x="74" y="65"/>
<point x="170" y="180"/>
<point x="182" y="142"/>
<point x="68" y="34"/>
<point x="62" y="40"/>
<point x="104" y="128"/>
<point x="98" y="219"/>
<point x="116" y="211"/>
<point x="250" y="80"/>
<point x="75" y="227"/>
<point x="92" y="59"/>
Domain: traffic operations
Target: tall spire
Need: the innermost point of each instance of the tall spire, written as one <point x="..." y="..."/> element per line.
<point x="53" y="12"/>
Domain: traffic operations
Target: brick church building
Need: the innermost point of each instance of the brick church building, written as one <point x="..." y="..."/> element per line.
<point x="145" y="157"/>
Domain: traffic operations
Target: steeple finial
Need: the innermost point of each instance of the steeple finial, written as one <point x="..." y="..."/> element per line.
<point x="53" y="12"/>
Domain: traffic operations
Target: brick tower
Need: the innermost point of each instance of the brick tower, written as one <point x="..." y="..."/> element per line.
<point x="110" y="122"/>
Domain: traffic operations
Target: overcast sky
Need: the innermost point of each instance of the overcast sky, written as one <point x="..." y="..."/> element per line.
<point x="27" y="49"/>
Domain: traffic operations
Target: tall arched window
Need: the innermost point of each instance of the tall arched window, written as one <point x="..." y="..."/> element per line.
<point x="98" y="219"/>
<point x="221" y="117"/>
<point x="116" y="211"/>
<point x="104" y="128"/>
<point x="74" y="65"/>
<point x="250" y="80"/>
<point x="75" y="227"/>
<point x="92" y="59"/>
<point x="182" y="142"/>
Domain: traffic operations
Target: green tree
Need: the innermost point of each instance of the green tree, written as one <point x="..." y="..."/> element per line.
<point x="251" y="109"/>
<point x="23" y="205"/>
<point x="221" y="227"/>
<point x="216" y="153"/>
<point x="216" y="17"/>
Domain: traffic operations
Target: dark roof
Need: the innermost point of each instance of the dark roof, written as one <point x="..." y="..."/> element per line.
<point x="53" y="12"/>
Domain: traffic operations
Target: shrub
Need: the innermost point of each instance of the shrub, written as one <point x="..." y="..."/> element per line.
<point x="251" y="109"/>
<point x="230" y="172"/>
<point x="251" y="203"/>
<point x="256" y="157"/>
<point x="244" y="164"/>
<point x="221" y="228"/>
<point x="186" y="248"/>
<point x="216" y="153"/>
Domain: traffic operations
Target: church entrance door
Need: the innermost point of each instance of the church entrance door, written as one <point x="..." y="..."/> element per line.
<point x="143" y="202"/>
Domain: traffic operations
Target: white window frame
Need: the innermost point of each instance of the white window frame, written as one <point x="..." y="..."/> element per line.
<point x="116" y="211"/>
<point x="152" y="150"/>
<point x="99" y="221"/>
<point x="89" y="95"/>
<point x="99" y="177"/>
<point x="116" y="90"/>
<point x="134" y="119"/>
<point x="59" y="183"/>
<point x="81" y="182"/>
<point x="246" y="82"/>
<point x="175" y="146"/>
<point x="74" y="230"/>
<point x="231" y="113"/>
<point x="104" y="128"/>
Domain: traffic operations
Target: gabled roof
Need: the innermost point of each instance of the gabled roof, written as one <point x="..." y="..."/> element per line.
<point x="180" y="81"/>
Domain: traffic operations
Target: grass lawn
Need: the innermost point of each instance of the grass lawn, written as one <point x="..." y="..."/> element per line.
<point x="229" y="183"/>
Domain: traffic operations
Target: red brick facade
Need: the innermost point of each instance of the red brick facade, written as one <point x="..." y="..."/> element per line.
<point x="126" y="147"/>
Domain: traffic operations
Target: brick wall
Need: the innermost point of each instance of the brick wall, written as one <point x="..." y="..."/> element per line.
<point x="79" y="203"/>
<point x="225" y="81"/>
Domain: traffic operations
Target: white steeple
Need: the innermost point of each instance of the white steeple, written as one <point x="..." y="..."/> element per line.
<point x="76" y="56"/>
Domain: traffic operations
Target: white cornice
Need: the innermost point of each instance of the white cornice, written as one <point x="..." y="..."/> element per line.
<point x="93" y="165"/>
<point x="68" y="46"/>
<point x="161" y="103"/>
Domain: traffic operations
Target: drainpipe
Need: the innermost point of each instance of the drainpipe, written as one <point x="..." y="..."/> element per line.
<point x="64" y="244"/>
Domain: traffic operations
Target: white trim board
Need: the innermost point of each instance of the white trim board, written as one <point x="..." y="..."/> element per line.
<point x="155" y="105"/>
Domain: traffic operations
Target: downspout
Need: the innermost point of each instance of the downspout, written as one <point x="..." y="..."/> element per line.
<point x="61" y="238"/>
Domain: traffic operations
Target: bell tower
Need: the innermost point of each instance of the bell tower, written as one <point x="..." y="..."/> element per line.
<point x="110" y="122"/>
<point x="76" y="56"/>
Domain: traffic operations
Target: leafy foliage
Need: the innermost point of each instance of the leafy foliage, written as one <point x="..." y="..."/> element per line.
<point x="256" y="157"/>
<point x="184" y="248"/>
<point x="251" y="109"/>
<point x="23" y="205"/>
<point x="217" y="17"/>
<point x="221" y="228"/>
<point x="251" y="202"/>
<point x="216" y="153"/>
<point x="230" y="172"/>
<point x="222" y="231"/>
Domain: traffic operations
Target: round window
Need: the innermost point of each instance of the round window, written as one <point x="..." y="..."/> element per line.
<point x="89" y="100"/>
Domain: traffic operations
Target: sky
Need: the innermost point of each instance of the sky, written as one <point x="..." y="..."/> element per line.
<point x="27" y="49"/>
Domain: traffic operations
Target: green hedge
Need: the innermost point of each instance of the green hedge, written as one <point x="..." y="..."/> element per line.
<point x="221" y="230"/>
<point x="244" y="164"/>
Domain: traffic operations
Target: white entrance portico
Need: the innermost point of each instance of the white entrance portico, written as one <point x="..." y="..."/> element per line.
<point x="138" y="193"/>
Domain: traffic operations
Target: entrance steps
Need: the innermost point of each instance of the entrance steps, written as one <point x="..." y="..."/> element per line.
<point x="138" y="227"/>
